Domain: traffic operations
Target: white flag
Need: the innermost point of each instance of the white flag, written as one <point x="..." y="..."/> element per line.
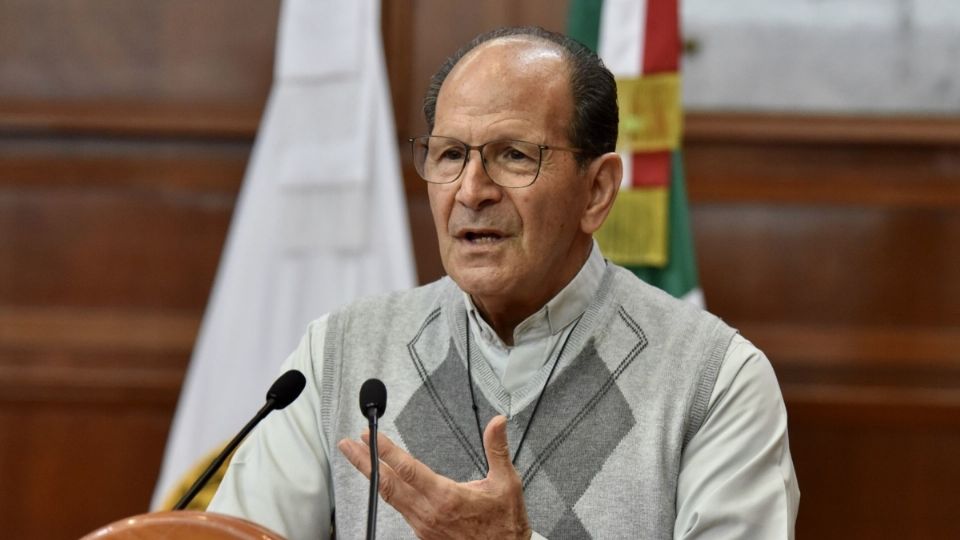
<point x="321" y="220"/>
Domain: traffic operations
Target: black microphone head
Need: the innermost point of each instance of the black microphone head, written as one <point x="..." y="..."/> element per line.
<point x="373" y="394"/>
<point x="286" y="388"/>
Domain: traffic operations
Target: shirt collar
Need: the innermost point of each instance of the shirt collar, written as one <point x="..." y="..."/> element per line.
<point x="559" y="311"/>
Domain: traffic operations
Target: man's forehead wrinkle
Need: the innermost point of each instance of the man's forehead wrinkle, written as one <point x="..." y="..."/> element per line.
<point x="503" y="76"/>
<point x="514" y="55"/>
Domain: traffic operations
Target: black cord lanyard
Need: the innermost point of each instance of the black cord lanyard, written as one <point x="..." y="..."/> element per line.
<point x="536" y="406"/>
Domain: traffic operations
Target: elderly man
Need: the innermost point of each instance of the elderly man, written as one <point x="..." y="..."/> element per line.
<point x="611" y="409"/>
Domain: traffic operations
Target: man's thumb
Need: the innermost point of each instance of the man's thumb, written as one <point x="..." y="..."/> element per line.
<point x="495" y="443"/>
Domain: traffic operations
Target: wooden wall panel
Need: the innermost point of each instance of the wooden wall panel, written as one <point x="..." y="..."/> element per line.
<point x="155" y="213"/>
<point x="68" y="468"/>
<point x="865" y="479"/>
<point x="125" y="127"/>
<point x="834" y="250"/>
<point x="831" y="264"/>
<point x="86" y="398"/>
<point x="140" y="51"/>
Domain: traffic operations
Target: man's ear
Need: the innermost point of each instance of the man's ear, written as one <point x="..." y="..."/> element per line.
<point x="605" y="174"/>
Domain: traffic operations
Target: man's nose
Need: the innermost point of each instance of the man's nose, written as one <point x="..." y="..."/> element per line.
<point x="476" y="189"/>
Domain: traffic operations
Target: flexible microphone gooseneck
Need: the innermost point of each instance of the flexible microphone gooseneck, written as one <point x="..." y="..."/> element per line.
<point x="373" y="401"/>
<point x="282" y="393"/>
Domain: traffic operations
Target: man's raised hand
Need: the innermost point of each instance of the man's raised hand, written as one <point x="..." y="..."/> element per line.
<point x="436" y="506"/>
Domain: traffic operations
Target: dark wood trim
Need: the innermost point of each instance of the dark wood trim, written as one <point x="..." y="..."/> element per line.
<point x="806" y="128"/>
<point x="863" y="346"/>
<point x="865" y="375"/>
<point x="132" y="119"/>
<point x="97" y="330"/>
<point x="881" y="408"/>
<point x="93" y="357"/>
<point x="242" y="120"/>
<point x="395" y="21"/>
<point x="119" y="384"/>
<point x="198" y="166"/>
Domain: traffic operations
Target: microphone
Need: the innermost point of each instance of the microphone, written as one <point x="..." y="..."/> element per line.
<point x="373" y="395"/>
<point x="281" y="393"/>
<point x="373" y="402"/>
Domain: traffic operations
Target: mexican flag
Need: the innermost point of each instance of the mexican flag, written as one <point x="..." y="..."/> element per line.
<point x="648" y="230"/>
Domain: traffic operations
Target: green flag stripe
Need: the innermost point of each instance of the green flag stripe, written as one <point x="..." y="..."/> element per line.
<point x="583" y="22"/>
<point x="679" y="276"/>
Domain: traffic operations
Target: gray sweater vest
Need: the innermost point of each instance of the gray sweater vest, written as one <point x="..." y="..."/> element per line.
<point x="602" y="456"/>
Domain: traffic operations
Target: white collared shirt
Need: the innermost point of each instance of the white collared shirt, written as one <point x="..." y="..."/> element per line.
<point x="537" y="339"/>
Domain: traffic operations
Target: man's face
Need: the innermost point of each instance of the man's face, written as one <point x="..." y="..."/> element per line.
<point x="510" y="248"/>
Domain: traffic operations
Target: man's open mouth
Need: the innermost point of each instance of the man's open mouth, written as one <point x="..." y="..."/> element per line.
<point x="481" y="237"/>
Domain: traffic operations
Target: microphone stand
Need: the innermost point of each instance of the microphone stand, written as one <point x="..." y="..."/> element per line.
<point x="222" y="456"/>
<point x="374" y="475"/>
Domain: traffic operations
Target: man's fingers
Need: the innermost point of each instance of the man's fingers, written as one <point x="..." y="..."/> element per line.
<point x="438" y="507"/>
<point x="393" y="488"/>
<point x="497" y="449"/>
<point x="357" y="453"/>
<point x="407" y="467"/>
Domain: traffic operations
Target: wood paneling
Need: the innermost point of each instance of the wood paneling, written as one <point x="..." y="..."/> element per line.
<point x="202" y="120"/>
<point x="831" y="244"/>
<point x="141" y="51"/>
<point x="830" y="264"/>
<point x="86" y="398"/>
<point x="68" y="468"/>
<point x="93" y="356"/>
<point x="154" y="212"/>
<point x="806" y="173"/>
<point x="818" y="128"/>
<point x="865" y="478"/>
<point x="125" y="127"/>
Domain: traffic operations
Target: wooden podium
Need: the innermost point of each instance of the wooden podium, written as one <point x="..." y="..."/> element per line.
<point x="183" y="525"/>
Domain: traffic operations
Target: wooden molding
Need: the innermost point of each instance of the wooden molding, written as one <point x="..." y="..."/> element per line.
<point x="97" y="330"/>
<point x="880" y="407"/>
<point x="93" y="357"/>
<point x="241" y="121"/>
<point x="111" y="118"/>
<point x="809" y="128"/>
<point x="857" y="375"/>
<point x="860" y="346"/>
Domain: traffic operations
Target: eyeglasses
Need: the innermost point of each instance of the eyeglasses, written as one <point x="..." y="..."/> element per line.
<point x="509" y="163"/>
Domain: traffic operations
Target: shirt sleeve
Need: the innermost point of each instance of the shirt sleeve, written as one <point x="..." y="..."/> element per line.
<point x="280" y="476"/>
<point x="737" y="478"/>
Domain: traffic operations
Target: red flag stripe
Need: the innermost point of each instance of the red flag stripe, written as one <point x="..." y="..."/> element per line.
<point x="661" y="50"/>
<point x="650" y="169"/>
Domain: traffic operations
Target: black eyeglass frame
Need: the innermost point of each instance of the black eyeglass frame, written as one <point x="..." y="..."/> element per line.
<point x="483" y="162"/>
